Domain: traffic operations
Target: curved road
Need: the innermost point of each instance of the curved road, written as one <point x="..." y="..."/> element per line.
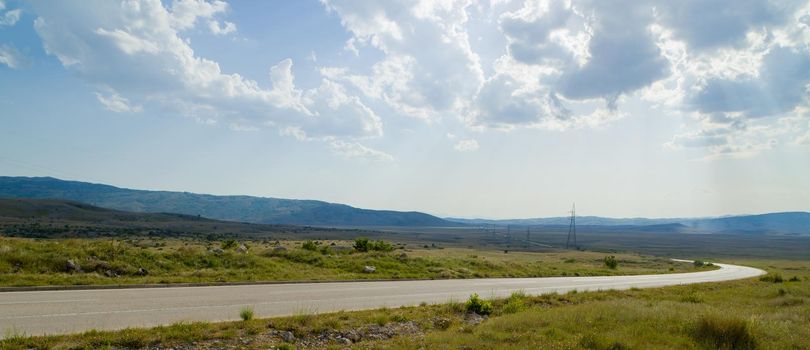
<point x="57" y="312"/>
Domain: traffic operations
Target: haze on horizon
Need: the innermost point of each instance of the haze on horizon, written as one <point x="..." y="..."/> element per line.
<point x="490" y="109"/>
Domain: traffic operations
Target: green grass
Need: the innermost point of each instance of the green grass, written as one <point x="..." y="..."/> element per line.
<point x="42" y="262"/>
<point x="745" y="314"/>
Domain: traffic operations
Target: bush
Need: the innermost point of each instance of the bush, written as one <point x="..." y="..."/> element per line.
<point x="772" y="277"/>
<point x="698" y="263"/>
<point x="479" y="306"/>
<point x="362" y="244"/>
<point x="724" y="333"/>
<point x="310" y="245"/>
<point x="246" y="313"/>
<point x="794" y="279"/>
<point x="611" y="262"/>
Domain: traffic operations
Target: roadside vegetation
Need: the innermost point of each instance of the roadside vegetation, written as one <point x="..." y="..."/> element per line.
<point x="746" y="314"/>
<point x="48" y="262"/>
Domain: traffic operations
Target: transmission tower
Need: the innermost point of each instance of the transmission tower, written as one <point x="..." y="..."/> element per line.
<point x="528" y="236"/>
<point x="572" y="228"/>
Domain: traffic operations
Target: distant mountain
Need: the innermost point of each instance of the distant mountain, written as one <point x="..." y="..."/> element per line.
<point x="792" y="223"/>
<point x="232" y="208"/>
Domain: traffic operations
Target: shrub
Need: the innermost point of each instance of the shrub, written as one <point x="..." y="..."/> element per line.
<point x="611" y="262"/>
<point x="246" y="313"/>
<point x="794" y="279"/>
<point x="477" y="305"/>
<point x="698" y="263"/>
<point x="310" y="245"/>
<point x="361" y="244"/>
<point x="724" y="333"/>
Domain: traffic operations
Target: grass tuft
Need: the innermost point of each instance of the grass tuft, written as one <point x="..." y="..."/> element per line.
<point x="717" y="332"/>
<point x="246" y="313"/>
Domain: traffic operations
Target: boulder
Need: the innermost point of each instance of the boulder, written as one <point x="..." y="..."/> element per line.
<point x="142" y="272"/>
<point x="72" y="266"/>
<point x="369" y="269"/>
<point x="242" y="249"/>
<point x="110" y="273"/>
<point x="288" y="336"/>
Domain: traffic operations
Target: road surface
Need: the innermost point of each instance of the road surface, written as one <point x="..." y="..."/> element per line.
<point x="59" y="312"/>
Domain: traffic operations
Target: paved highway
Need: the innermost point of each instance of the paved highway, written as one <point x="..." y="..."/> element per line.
<point x="57" y="312"/>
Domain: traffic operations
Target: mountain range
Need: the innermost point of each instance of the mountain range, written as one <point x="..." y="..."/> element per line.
<point x="263" y="210"/>
<point x="250" y="209"/>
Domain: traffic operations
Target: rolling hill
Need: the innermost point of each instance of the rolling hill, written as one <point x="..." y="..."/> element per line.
<point x="232" y="208"/>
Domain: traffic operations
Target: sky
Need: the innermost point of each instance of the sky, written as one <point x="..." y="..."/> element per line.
<point x="490" y="109"/>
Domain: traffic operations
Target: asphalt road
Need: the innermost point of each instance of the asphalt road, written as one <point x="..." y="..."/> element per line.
<point x="58" y="312"/>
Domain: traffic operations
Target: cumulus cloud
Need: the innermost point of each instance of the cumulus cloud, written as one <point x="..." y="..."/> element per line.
<point x="135" y="49"/>
<point x="418" y="82"/>
<point x="467" y="145"/>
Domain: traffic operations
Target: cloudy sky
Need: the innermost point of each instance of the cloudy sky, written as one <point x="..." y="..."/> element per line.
<point x="491" y="109"/>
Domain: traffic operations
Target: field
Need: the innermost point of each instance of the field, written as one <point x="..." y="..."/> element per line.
<point x="766" y="313"/>
<point x="44" y="262"/>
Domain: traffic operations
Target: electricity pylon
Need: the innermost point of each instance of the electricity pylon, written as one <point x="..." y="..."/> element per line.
<point x="572" y="228"/>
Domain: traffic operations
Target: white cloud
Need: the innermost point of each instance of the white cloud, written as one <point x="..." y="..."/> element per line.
<point x="419" y="82"/>
<point x="135" y="49"/>
<point x="10" y="18"/>
<point x="467" y="145"/>
<point x="114" y="102"/>
<point x="356" y="150"/>
<point x="11" y="57"/>
<point x="221" y="29"/>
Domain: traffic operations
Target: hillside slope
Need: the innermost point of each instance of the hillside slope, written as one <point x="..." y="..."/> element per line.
<point x="232" y="208"/>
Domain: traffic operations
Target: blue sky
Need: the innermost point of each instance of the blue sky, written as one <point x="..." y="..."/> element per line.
<point x="493" y="109"/>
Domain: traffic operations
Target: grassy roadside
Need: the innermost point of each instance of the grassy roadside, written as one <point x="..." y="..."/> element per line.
<point x="746" y="314"/>
<point x="44" y="262"/>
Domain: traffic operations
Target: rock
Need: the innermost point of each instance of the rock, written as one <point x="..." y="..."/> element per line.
<point x="288" y="336"/>
<point x="369" y="269"/>
<point x="73" y="266"/>
<point x="217" y="251"/>
<point x="142" y="272"/>
<point x="242" y="249"/>
<point x="110" y="273"/>
<point x="352" y="335"/>
<point x="474" y="318"/>
<point x="344" y="341"/>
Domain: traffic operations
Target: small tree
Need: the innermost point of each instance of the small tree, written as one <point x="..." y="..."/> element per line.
<point x="611" y="262"/>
